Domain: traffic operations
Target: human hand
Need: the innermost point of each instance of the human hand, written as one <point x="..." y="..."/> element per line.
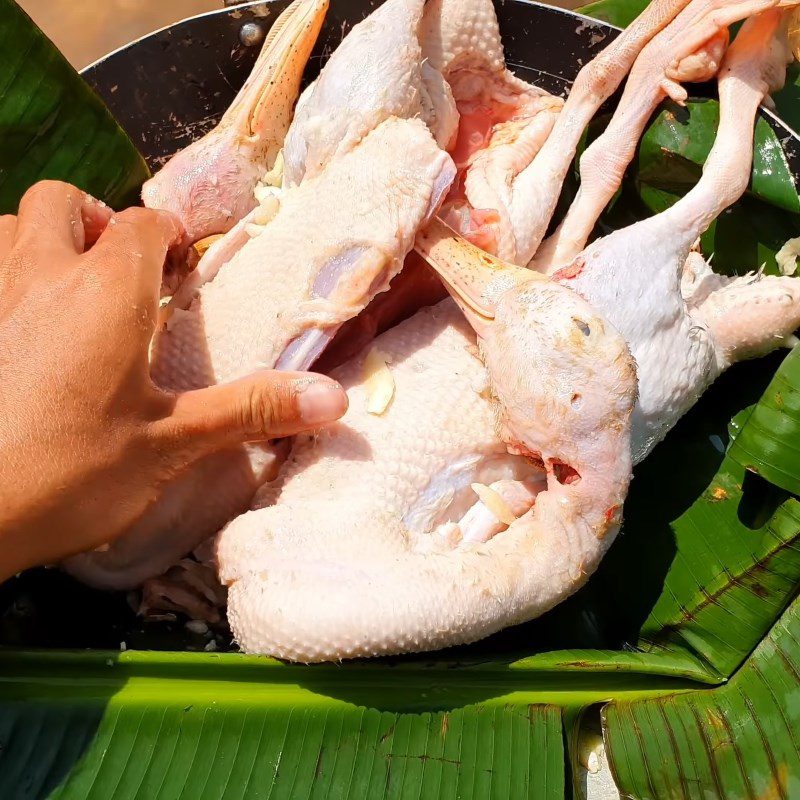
<point x="87" y="440"/>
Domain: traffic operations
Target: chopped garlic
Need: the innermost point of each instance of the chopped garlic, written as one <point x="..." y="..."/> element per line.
<point x="253" y="230"/>
<point x="203" y="245"/>
<point x="273" y="177"/>
<point x="378" y="381"/>
<point x="266" y="210"/>
<point x="494" y="502"/>
<point x="787" y="256"/>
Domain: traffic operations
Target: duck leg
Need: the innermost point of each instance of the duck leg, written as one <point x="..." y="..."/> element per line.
<point x="690" y="48"/>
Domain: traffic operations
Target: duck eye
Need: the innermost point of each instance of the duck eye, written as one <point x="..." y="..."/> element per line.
<point x="582" y="326"/>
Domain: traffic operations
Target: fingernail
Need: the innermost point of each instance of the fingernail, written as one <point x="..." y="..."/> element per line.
<point x="321" y="401"/>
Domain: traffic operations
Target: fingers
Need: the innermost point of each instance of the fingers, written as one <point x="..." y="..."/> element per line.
<point x="263" y="406"/>
<point x="95" y="215"/>
<point x="136" y="242"/>
<point x="51" y="220"/>
<point x="8" y="226"/>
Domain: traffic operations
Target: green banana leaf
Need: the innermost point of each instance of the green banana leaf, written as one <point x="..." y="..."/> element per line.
<point x="675" y="146"/>
<point x="170" y="725"/>
<point x="615" y="12"/>
<point x="735" y="741"/>
<point x="682" y="649"/>
<point x="52" y="125"/>
<point x="787" y="100"/>
<point x="669" y="162"/>
<point x="769" y="444"/>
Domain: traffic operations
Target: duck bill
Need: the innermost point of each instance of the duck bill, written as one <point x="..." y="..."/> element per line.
<point x="263" y="108"/>
<point x="475" y="279"/>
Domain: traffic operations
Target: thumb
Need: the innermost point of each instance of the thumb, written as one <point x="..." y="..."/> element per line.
<point x="8" y="226"/>
<point x="265" y="405"/>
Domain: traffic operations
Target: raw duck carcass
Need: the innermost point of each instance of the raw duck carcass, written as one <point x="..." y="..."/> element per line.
<point x="481" y="488"/>
<point x="331" y="116"/>
<point x="276" y="303"/>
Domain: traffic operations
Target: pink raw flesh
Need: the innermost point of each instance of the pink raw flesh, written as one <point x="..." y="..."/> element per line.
<point x="476" y="225"/>
<point x="476" y="122"/>
<point x="475" y="128"/>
